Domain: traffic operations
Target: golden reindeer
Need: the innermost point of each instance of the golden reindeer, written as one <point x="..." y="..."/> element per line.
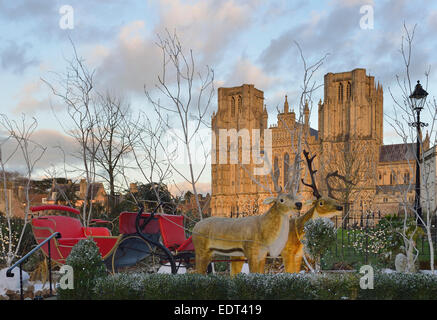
<point x="252" y="237"/>
<point x="292" y="253"/>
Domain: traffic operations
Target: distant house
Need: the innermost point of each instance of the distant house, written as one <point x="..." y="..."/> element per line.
<point x="189" y="203"/>
<point x="75" y="194"/>
<point x="17" y="199"/>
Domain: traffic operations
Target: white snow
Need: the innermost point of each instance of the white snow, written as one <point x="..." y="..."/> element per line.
<point x="167" y="269"/>
<point x="12" y="283"/>
<point x="387" y="271"/>
<point x="428" y="272"/>
<point x="245" y="268"/>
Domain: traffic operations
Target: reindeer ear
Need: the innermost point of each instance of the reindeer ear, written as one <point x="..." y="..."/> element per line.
<point x="269" y="200"/>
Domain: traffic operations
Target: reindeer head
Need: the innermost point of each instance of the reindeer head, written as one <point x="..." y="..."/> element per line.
<point x="284" y="202"/>
<point x="324" y="206"/>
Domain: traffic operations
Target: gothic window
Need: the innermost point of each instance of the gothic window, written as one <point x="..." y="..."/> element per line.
<point x="286" y="167"/>
<point x="349" y="91"/>
<point x="240" y="107"/>
<point x="340" y="92"/>
<point x="406" y="177"/>
<point x="277" y="171"/>
<point x="233" y="107"/>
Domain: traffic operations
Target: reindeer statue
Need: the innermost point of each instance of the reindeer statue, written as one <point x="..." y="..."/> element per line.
<point x="326" y="207"/>
<point x="292" y="253"/>
<point x="252" y="237"/>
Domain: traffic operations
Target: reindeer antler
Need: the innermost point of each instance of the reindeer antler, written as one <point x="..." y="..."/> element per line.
<point x="275" y="177"/>
<point x="313" y="186"/>
<point x="331" y="175"/>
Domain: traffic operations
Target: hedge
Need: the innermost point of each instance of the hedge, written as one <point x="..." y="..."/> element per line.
<point x="325" y="286"/>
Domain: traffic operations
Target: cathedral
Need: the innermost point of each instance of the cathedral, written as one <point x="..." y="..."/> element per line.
<point x="349" y="139"/>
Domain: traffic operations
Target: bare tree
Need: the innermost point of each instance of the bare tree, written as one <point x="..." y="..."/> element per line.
<point x="187" y="94"/>
<point x="20" y="132"/>
<point x="408" y="127"/>
<point x="150" y="154"/>
<point x="112" y="118"/>
<point x="75" y="89"/>
<point x="354" y="161"/>
<point x="299" y="134"/>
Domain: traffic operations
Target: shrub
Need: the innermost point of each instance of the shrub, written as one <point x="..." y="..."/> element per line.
<point x="27" y="242"/>
<point x="309" y="286"/>
<point x="161" y="287"/>
<point x="402" y="286"/>
<point x="87" y="264"/>
<point x="320" y="235"/>
<point x="385" y="239"/>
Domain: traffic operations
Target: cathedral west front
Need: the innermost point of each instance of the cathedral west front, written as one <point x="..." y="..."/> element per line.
<point x="349" y="138"/>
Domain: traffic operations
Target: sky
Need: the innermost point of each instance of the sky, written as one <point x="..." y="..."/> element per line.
<point x="244" y="41"/>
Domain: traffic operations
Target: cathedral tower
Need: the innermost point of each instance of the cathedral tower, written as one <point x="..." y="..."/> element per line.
<point x="238" y="108"/>
<point x="352" y="108"/>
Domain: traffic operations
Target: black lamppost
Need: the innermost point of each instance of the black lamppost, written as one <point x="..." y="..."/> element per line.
<point x="418" y="98"/>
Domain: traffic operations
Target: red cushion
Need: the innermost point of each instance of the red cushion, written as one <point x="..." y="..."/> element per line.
<point x="68" y="227"/>
<point x="96" y="231"/>
<point x="172" y="230"/>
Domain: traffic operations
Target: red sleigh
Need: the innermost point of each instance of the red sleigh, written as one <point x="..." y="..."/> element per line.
<point x="146" y="240"/>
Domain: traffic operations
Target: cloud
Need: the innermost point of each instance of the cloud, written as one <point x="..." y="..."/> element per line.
<point x="208" y="27"/>
<point x="60" y="148"/>
<point x="14" y="57"/>
<point x="30" y="101"/>
<point x="41" y="18"/>
<point x="245" y="71"/>
<point x="133" y="62"/>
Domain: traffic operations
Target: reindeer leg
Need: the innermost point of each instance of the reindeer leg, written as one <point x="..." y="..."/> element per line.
<point x="202" y="261"/>
<point x="257" y="261"/>
<point x="288" y="259"/>
<point x="298" y="259"/>
<point x="236" y="266"/>
<point x="253" y="262"/>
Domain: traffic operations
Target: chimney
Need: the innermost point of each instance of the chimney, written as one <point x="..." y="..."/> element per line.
<point x="82" y="189"/>
<point x="133" y="188"/>
<point x="20" y="193"/>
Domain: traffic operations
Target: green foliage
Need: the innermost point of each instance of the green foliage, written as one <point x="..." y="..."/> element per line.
<point x="326" y="286"/>
<point x="27" y="242"/>
<point x="88" y="267"/>
<point x="402" y="286"/>
<point x="147" y="192"/>
<point x="320" y="235"/>
<point x="385" y="239"/>
<point x="161" y="287"/>
<point x="396" y="225"/>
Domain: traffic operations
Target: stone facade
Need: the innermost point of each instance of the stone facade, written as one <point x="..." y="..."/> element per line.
<point x="349" y="139"/>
